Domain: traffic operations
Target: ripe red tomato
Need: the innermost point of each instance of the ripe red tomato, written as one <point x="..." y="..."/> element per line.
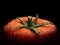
<point x="25" y="34"/>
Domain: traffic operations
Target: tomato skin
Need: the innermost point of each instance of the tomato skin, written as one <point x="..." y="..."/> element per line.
<point x="25" y="34"/>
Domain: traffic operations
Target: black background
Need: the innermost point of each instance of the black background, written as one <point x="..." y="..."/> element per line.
<point x="49" y="13"/>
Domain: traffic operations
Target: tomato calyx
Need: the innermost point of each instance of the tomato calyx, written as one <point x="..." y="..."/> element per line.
<point x="31" y="24"/>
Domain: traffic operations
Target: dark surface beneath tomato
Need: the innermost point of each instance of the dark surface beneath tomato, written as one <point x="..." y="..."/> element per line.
<point x="45" y="13"/>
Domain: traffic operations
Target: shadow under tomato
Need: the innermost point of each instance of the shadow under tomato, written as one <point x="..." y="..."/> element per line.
<point x="52" y="40"/>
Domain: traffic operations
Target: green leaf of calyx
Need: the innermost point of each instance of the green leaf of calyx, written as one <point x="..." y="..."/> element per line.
<point x="21" y="26"/>
<point x="35" y="20"/>
<point x="21" y="21"/>
<point x="42" y="24"/>
<point x="34" y="29"/>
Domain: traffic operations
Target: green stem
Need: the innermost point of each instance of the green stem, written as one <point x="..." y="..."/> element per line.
<point x="29" y="21"/>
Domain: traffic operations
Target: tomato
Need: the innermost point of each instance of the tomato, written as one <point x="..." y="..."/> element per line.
<point x="26" y="34"/>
